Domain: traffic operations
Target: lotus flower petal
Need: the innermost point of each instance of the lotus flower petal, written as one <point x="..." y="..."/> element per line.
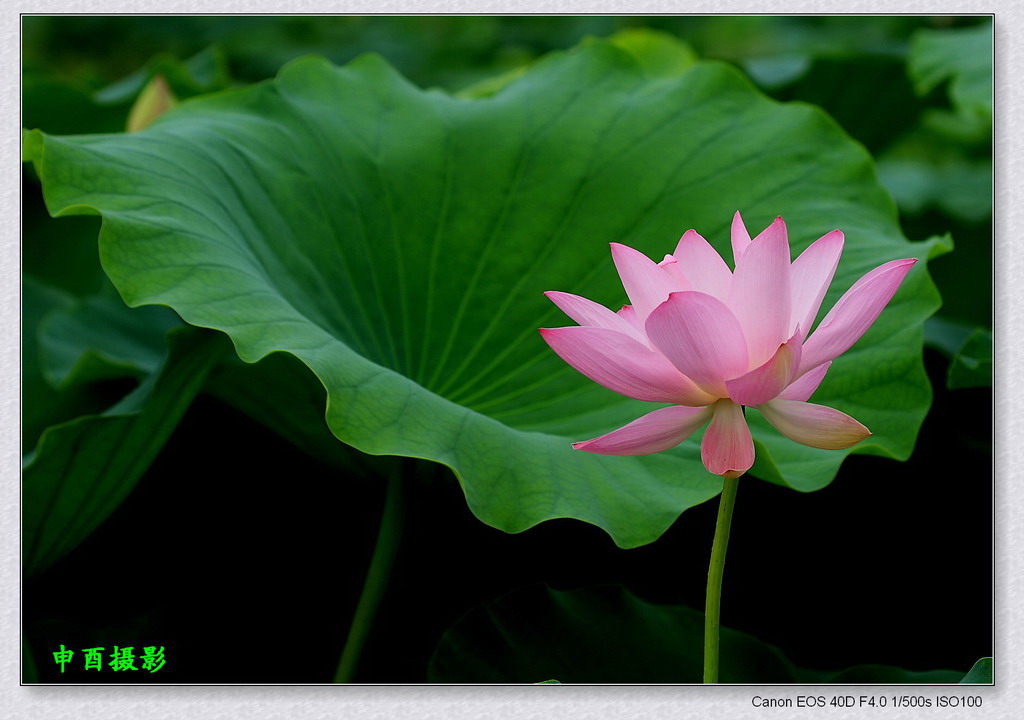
<point x="679" y="280"/>
<point x="592" y="314"/>
<point x="727" y="448"/>
<point x="624" y="365"/>
<point x="765" y="382"/>
<point x="627" y="313"/>
<point x="701" y="337"/>
<point x="814" y="425"/>
<point x="646" y="284"/>
<point x="703" y="266"/>
<point x="811" y="275"/>
<point x="759" y="296"/>
<point x="654" y="432"/>
<point x="803" y="387"/>
<point x="854" y="313"/>
<point x="740" y="238"/>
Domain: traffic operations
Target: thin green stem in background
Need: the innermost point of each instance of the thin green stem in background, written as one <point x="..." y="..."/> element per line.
<point x="384" y="552"/>
<point x="713" y="606"/>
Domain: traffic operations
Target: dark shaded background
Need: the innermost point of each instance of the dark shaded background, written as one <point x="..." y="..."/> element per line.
<point x="244" y="557"/>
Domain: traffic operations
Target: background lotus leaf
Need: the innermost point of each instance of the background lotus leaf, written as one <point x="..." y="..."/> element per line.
<point x="606" y="634"/>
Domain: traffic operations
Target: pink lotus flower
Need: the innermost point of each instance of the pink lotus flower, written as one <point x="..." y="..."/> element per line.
<point x="713" y="342"/>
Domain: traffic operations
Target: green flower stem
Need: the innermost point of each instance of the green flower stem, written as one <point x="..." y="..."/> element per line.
<point x="384" y="552"/>
<point x="713" y="606"/>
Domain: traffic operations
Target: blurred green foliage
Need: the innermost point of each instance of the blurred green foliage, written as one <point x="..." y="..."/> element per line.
<point x="962" y="56"/>
<point x="446" y="51"/>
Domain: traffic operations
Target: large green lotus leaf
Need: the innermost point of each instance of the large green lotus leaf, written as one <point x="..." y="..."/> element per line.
<point x="82" y="469"/>
<point x="605" y="634"/>
<point x="398" y="243"/>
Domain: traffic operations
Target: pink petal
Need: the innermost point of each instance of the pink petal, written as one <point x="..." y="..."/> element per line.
<point x="740" y="238"/>
<point x="814" y="425"/>
<point x="699" y="333"/>
<point x="672" y="269"/>
<point x="727" y="448"/>
<point x="854" y="313"/>
<point x="811" y="275"/>
<point x="654" y="432"/>
<point x="766" y="382"/>
<point x="760" y="293"/>
<point x="804" y="386"/>
<point x="587" y="312"/>
<point x="703" y="266"/>
<point x="624" y="365"/>
<point x="646" y="284"/>
<point x="627" y="313"/>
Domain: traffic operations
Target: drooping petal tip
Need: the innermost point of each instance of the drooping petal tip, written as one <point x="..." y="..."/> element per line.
<point x="727" y="448"/>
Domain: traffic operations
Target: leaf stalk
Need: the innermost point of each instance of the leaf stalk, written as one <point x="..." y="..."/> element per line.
<point x="716" y="568"/>
<point x="379" y="572"/>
